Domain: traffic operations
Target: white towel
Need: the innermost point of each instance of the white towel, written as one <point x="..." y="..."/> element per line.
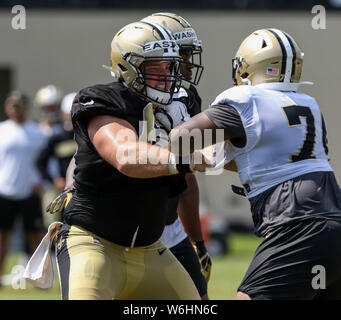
<point x="39" y="269"/>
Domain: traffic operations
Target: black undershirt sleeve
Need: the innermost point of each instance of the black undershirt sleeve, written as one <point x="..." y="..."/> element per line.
<point x="227" y="118"/>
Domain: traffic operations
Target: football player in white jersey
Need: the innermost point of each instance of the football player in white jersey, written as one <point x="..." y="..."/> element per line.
<point x="276" y="140"/>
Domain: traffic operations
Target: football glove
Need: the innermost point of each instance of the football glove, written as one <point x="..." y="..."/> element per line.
<point x="59" y="204"/>
<point x="204" y="259"/>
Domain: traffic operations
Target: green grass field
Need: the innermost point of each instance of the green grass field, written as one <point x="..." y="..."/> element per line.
<point x="227" y="272"/>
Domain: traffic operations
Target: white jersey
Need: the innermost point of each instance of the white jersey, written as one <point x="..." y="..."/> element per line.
<point x="284" y="136"/>
<point x="19" y="148"/>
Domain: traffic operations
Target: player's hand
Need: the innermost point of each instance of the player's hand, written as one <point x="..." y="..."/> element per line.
<point x="204" y="259"/>
<point x="201" y="161"/>
<point x="59" y="204"/>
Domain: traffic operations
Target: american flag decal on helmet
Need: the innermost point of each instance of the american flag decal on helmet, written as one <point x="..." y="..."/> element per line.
<point x="272" y="71"/>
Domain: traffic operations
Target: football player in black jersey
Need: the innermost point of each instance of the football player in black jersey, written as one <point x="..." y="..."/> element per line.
<point x="108" y="246"/>
<point x="186" y="103"/>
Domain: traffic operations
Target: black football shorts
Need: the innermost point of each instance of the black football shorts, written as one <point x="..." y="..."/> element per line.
<point x="29" y="210"/>
<point x="300" y="261"/>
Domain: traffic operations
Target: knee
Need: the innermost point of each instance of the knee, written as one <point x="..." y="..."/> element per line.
<point x="242" y="296"/>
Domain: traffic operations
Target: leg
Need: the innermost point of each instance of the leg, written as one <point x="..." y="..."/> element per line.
<point x="84" y="266"/>
<point x="32" y="222"/>
<point x="281" y="268"/>
<point x="186" y="255"/>
<point x="34" y="238"/>
<point x="5" y="236"/>
<point x="93" y="268"/>
<point x="154" y="273"/>
<point x="8" y="215"/>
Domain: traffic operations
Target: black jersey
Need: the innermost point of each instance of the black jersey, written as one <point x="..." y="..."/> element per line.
<point x="114" y="206"/>
<point x="60" y="146"/>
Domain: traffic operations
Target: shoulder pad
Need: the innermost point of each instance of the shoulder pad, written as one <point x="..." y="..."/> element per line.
<point x="235" y="96"/>
<point x="112" y="98"/>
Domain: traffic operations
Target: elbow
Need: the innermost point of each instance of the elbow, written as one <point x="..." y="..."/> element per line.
<point x="127" y="169"/>
<point x="123" y="168"/>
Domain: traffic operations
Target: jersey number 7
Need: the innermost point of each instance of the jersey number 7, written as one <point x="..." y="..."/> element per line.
<point x="293" y="114"/>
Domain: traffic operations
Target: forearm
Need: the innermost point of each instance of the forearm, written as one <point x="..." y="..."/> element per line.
<point x="141" y="160"/>
<point x="195" y="134"/>
<point x="69" y="173"/>
<point x="117" y="142"/>
<point x="188" y="209"/>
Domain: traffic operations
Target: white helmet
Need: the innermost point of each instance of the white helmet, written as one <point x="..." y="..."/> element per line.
<point x="47" y="100"/>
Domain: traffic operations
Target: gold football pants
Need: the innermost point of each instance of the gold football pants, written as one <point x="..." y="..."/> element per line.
<point x="92" y="268"/>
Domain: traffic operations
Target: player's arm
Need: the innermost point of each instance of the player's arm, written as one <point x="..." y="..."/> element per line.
<point x="193" y="131"/>
<point x="116" y="141"/>
<point x="222" y="121"/>
<point x="188" y="209"/>
<point x="58" y="204"/>
<point x="69" y="173"/>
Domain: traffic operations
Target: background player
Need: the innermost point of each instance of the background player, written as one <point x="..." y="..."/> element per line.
<point x="20" y="183"/>
<point x="186" y="103"/>
<point x="61" y="147"/>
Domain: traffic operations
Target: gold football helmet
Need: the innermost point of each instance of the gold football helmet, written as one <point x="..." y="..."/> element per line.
<point x="140" y="42"/>
<point x="268" y="56"/>
<point x="47" y="101"/>
<point x="185" y="37"/>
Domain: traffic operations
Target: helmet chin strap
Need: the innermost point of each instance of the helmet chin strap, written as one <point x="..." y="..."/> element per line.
<point x="158" y="96"/>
